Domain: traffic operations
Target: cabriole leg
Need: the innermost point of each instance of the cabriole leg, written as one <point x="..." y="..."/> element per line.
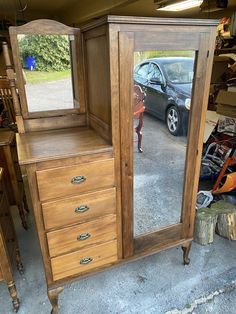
<point x="186" y="249"/>
<point x="13" y="294"/>
<point x="53" y="297"/>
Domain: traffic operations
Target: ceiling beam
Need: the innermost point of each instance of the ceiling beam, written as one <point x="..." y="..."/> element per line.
<point x="81" y="11"/>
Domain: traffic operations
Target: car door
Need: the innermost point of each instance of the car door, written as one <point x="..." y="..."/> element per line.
<point x="140" y="75"/>
<point x="156" y="90"/>
<point x="141" y="78"/>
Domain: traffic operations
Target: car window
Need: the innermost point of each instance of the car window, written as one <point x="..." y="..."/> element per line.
<point x="180" y="71"/>
<point x="154" y="73"/>
<point x="143" y="70"/>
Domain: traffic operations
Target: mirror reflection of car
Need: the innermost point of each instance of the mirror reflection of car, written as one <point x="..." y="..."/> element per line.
<point x="167" y="82"/>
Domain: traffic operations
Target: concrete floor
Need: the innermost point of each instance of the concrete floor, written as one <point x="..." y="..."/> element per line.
<point x="158" y="177"/>
<point x="153" y="285"/>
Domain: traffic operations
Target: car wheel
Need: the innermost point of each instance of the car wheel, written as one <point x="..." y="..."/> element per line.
<point x="173" y="121"/>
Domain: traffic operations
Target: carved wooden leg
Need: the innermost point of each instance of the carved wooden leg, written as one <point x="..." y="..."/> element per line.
<point x="186" y="249"/>
<point x="19" y="264"/>
<point x="53" y="297"/>
<point x="139" y="133"/>
<point x="13" y="294"/>
<point x="22" y="216"/>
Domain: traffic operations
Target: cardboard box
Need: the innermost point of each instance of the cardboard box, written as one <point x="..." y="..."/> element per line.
<point x="226" y="103"/>
<point x="220" y="66"/>
<point x="226" y="98"/>
<point x="232" y="89"/>
<point x="211" y="120"/>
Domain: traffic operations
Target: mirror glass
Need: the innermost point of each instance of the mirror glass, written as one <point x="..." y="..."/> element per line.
<point x="161" y="106"/>
<point x="47" y="71"/>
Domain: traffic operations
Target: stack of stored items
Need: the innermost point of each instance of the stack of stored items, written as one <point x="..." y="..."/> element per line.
<point x="226" y="104"/>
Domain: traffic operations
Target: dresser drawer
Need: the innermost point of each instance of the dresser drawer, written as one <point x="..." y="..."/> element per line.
<point x="84" y="260"/>
<point x="72" y="180"/>
<point x="79" y="209"/>
<point x="82" y="235"/>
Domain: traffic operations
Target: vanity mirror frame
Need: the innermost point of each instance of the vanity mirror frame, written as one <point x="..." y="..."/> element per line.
<point x="32" y="121"/>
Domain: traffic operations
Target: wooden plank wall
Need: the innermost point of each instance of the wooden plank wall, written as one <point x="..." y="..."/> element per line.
<point x="98" y="81"/>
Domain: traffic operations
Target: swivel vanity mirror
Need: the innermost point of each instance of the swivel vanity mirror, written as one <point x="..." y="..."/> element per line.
<point x="47" y="58"/>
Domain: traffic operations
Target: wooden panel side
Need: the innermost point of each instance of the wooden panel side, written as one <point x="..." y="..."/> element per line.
<point x="101" y="127"/>
<point x="126" y="51"/>
<point x="53" y="123"/>
<point x="31" y="174"/>
<point x="98" y="79"/>
<point x="115" y="115"/>
<point x="157" y="40"/>
<point x="196" y="130"/>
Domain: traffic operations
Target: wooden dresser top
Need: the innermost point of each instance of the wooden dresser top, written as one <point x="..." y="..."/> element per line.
<point x="56" y="144"/>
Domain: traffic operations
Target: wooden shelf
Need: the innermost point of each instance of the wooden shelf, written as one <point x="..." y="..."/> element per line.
<point x="56" y="144"/>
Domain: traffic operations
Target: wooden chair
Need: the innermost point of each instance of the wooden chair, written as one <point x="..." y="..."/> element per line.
<point x="13" y="177"/>
<point x="139" y="108"/>
<point x="8" y="114"/>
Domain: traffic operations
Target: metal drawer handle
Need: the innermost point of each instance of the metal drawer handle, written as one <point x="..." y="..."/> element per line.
<point x="78" y="179"/>
<point x="86" y="260"/>
<point x="81" y="209"/>
<point x="83" y="236"/>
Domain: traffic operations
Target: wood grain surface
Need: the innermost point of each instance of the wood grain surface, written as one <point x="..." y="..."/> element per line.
<point x="69" y="264"/>
<point x="63" y="212"/>
<point x="71" y="238"/>
<point x="56" y="144"/>
<point x="56" y="182"/>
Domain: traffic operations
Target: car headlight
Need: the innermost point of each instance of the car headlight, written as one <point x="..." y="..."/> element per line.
<point x="187" y="103"/>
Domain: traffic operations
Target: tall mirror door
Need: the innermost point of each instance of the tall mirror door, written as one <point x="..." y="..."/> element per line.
<point x="162" y="88"/>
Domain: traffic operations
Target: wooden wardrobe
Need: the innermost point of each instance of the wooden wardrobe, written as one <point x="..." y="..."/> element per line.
<point x="79" y="161"/>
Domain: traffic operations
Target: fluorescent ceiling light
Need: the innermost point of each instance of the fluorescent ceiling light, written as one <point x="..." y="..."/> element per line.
<point x="180" y="6"/>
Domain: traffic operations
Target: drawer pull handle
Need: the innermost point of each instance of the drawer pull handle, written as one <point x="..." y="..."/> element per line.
<point x="83" y="236"/>
<point x="86" y="260"/>
<point x="81" y="209"/>
<point x="78" y="179"/>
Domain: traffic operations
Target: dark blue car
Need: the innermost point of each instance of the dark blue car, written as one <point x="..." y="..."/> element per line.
<point x="167" y="83"/>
